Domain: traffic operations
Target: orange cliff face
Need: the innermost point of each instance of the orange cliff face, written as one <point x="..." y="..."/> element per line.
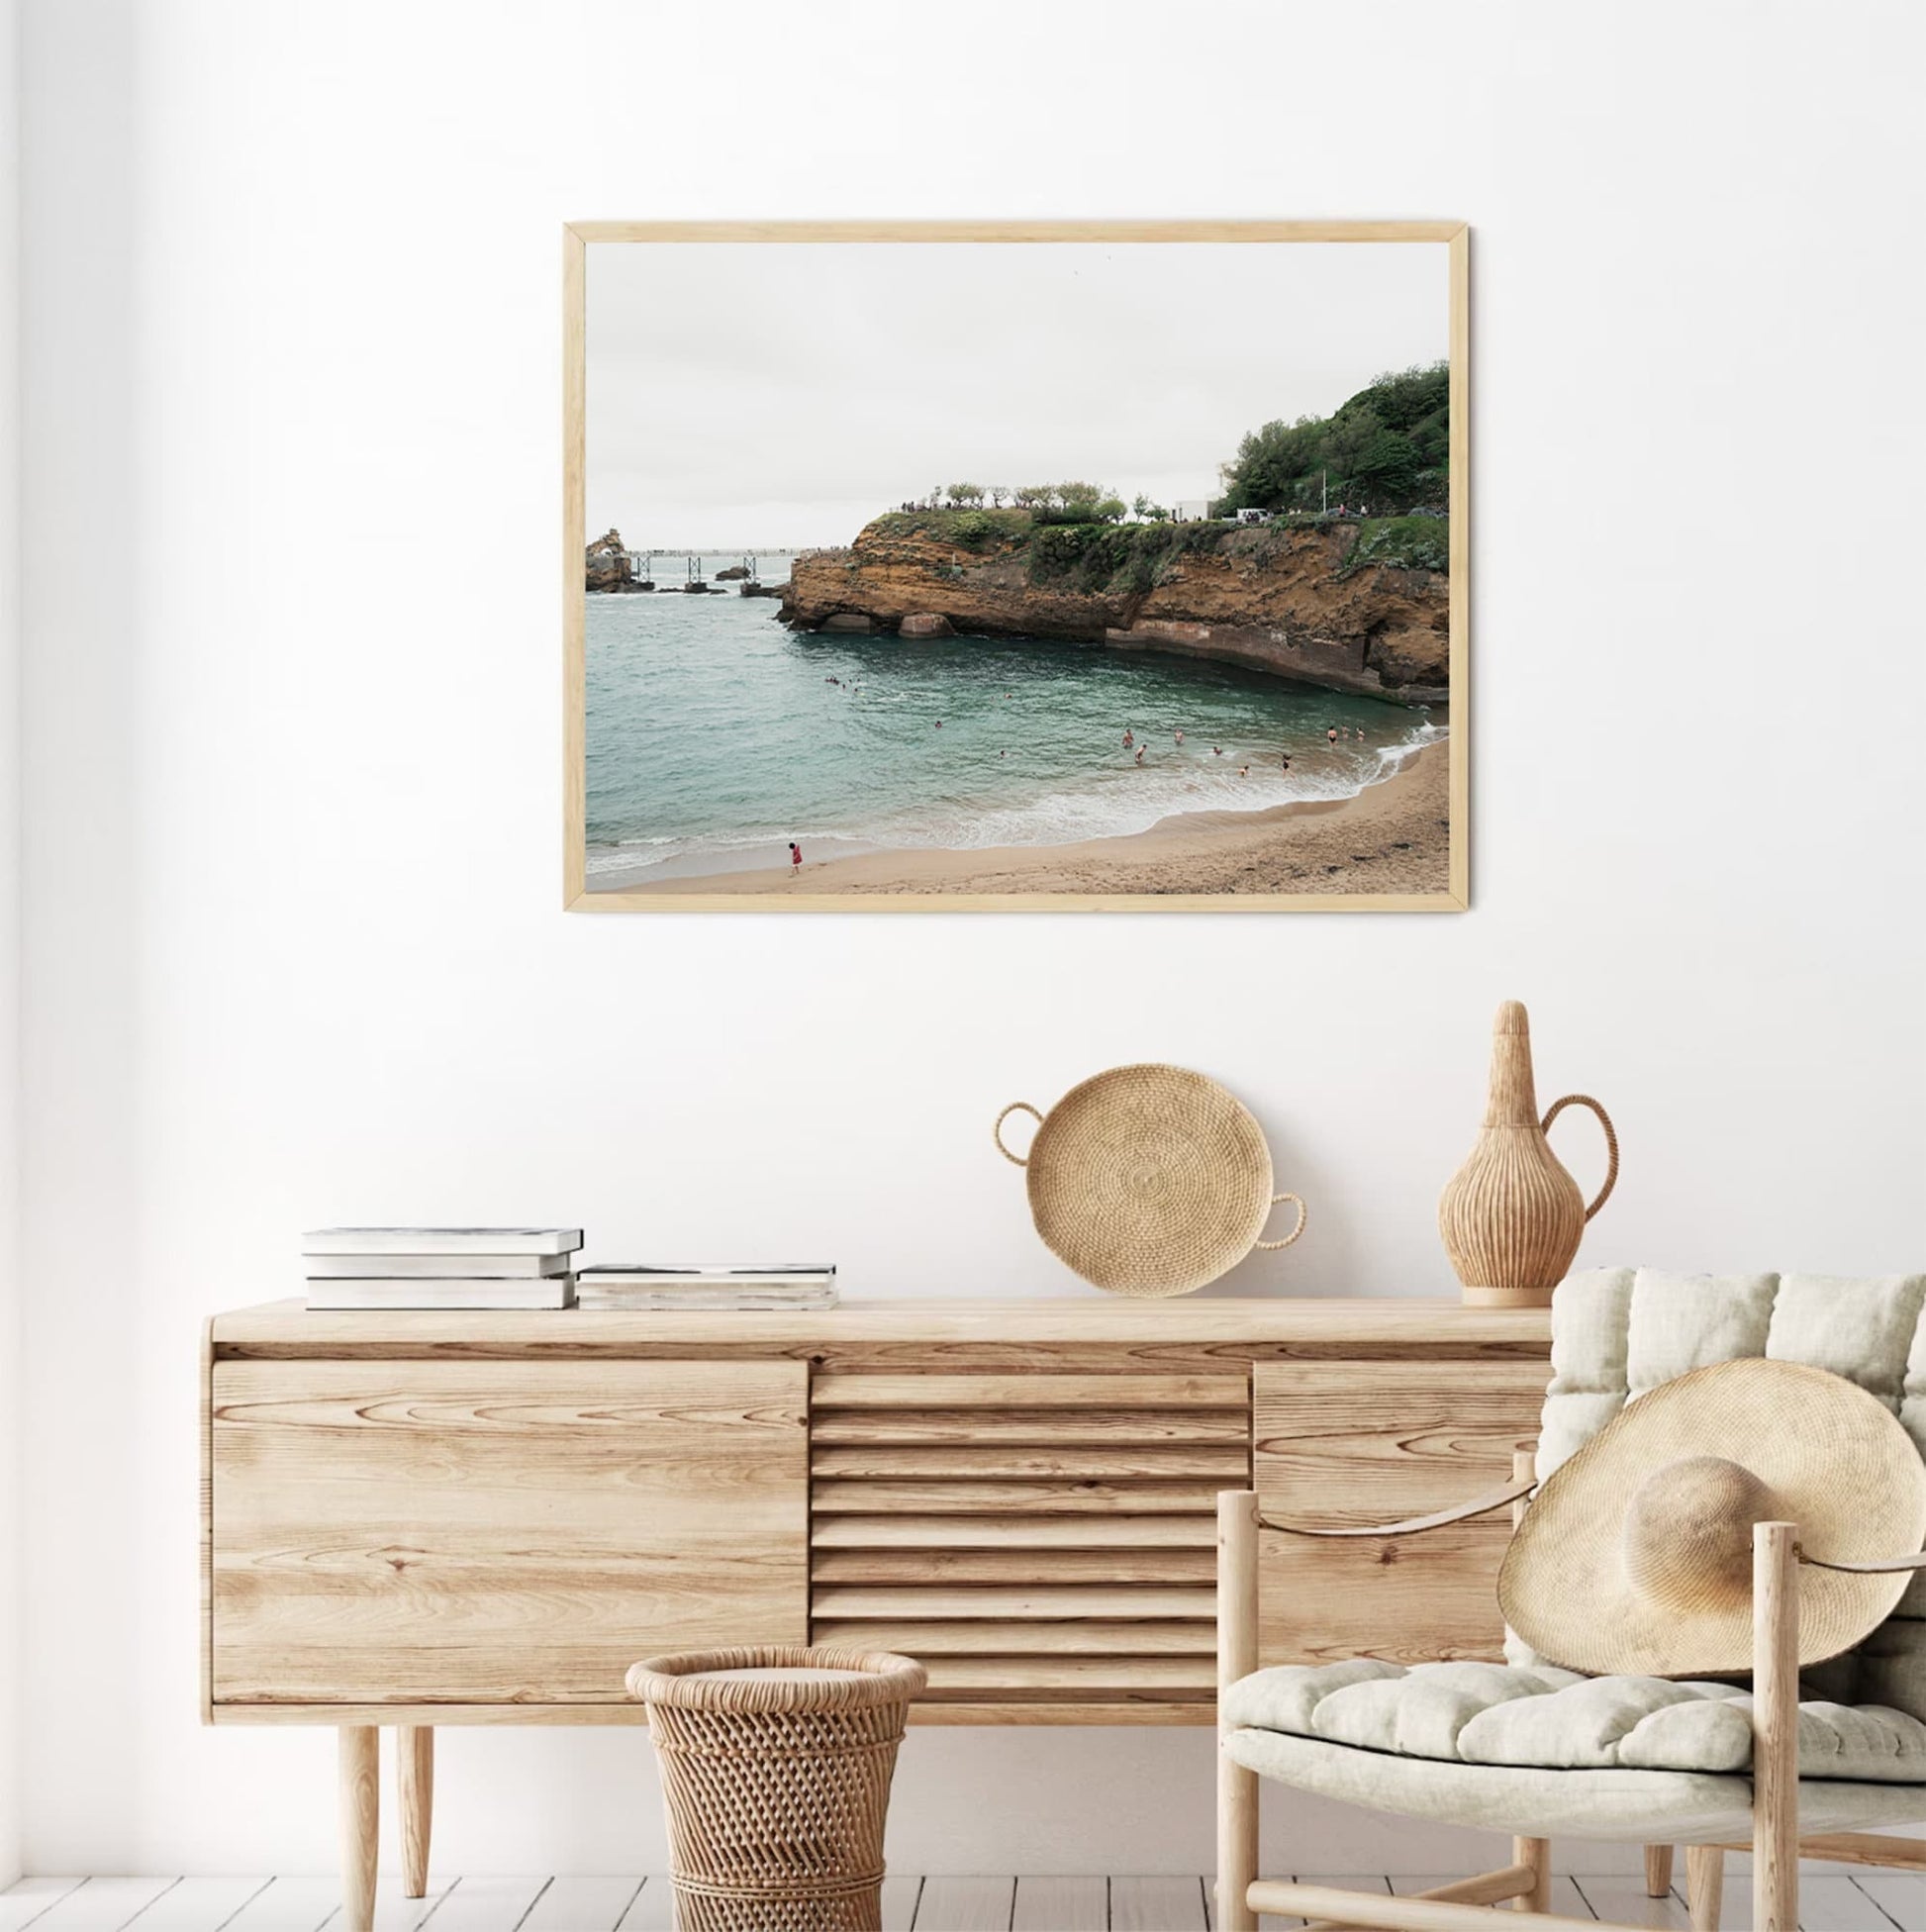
<point x="1271" y="599"/>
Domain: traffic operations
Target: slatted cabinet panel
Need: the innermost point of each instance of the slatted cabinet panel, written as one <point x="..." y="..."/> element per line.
<point x="497" y="1533"/>
<point x="1344" y="1444"/>
<point x="1035" y="1541"/>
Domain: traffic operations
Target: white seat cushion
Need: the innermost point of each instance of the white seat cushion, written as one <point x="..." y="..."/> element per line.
<point x="1557" y="1720"/>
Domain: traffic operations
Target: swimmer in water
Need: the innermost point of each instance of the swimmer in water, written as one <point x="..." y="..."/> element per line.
<point x="1180" y="736"/>
<point x="1130" y="738"/>
<point x="1331" y="734"/>
<point x="1139" y="755"/>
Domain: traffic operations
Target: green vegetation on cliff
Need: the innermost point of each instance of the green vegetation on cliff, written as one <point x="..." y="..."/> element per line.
<point x="1387" y="449"/>
<point x="1098" y="557"/>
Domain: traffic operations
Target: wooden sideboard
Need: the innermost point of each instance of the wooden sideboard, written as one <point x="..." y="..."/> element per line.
<point x="413" y="1519"/>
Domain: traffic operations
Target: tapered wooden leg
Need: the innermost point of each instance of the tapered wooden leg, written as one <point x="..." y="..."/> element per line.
<point x="1535" y="1855"/>
<point x="360" y="1796"/>
<point x="1236" y="1658"/>
<point x="1705" y="1885"/>
<point x="1657" y="1870"/>
<point x="415" y="1761"/>
<point x="1775" y="1728"/>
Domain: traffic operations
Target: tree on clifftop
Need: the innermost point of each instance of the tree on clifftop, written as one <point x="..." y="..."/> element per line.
<point x="967" y="495"/>
<point x="1387" y="448"/>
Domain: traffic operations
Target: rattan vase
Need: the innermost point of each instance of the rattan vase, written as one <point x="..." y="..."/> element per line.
<point x="775" y="1767"/>
<point x="1512" y="1216"/>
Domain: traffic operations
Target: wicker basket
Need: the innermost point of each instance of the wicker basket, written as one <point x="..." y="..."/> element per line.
<point x="1148" y="1179"/>
<point x="776" y="1766"/>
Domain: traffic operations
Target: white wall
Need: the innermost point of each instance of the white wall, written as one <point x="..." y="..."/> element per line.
<point x="8" y="942"/>
<point x="293" y="952"/>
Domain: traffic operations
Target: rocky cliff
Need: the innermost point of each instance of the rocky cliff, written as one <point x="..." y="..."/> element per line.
<point x="608" y="563"/>
<point x="1312" y="602"/>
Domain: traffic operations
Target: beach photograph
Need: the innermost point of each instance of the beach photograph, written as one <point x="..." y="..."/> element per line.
<point x="1020" y="573"/>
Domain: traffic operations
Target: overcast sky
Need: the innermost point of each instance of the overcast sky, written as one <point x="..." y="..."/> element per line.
<point x="770" y="394"/>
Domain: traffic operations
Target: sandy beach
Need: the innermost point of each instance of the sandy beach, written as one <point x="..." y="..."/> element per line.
<point x="1392" y="838"/>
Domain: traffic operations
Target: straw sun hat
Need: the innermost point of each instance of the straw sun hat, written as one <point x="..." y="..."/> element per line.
<point x="1635" y="1557"/>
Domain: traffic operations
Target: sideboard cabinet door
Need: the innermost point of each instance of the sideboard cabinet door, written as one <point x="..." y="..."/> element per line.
<point x="1345" y="1444"/>
<point x="498" y="1532"/>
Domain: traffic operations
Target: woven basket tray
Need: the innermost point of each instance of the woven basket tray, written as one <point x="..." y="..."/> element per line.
<point x="1148" y="1179"/>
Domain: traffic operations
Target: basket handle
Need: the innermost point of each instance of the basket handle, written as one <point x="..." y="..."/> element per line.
<point x="1557" y="1107"/>
<point x="1304" y="1215"/>
<point x="996" y="1132"/>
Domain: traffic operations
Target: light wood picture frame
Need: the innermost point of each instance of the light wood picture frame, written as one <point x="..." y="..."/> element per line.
<point x="1316" y="578"/>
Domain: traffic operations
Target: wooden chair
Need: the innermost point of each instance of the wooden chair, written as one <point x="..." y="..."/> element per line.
<point x="1657" y="1807"/>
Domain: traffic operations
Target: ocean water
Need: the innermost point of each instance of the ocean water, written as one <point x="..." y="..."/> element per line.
<point x="716" y="735"/>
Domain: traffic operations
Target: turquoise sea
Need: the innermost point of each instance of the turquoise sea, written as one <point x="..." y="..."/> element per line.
<point x="716" y="735"/>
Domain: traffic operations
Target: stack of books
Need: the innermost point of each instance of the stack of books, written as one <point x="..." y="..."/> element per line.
<point x="440" y="1267"/>
<point x="646" y="1284"/>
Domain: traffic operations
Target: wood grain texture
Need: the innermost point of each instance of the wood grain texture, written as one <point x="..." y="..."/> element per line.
<point x="1041" y="1398"/>
<point x="1458" y="585"/>
<point x="574" y="544"/>
<point x="1117" y="1463"/>
<point x="919" y="1334"/>
<point x="414" y="1791"/>
<point x="1032" y="1429"/>
<point x="1112" y="1532"/>
<point x="360" y="1823"/>
<point x="1774" y="1727"/>
<point x="1657" y="1870"/>
<point x="1191" y="1497"/>
<point x="893" y="1566"/>
<point x="476" y="1533"/>
<point x="1237" y="1650"/>
<point x="1103" y="232"/>
<point x="1705" y="1887"/>
<point x="992" y="1603"/>
<point x="205" y="1441"/>
<point x="1345" y="1444"/>
<point x="491" y="1521"/>
<point x="1001" y="1675"/>
<point x="1076" y="1636"/>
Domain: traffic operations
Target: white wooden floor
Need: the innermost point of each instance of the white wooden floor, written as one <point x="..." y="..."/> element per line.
<point x="1832" y="1900"/>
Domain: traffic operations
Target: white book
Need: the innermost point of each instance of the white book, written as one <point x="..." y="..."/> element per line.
<point x="644" y="1300"/>
<point x="674" y="1280"/>
<point x="430" y="1266"/>
<point x="440" y="1240"/>
<point x="556" y="1292"/>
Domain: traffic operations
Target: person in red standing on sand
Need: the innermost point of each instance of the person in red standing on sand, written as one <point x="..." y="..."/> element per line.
<point x="795" y="859"/>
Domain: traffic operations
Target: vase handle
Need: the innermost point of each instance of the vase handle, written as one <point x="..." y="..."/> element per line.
<point x="1304" y="1215"/>
<point x="996" y="1132"/>
<point x="1557" y="1107"/>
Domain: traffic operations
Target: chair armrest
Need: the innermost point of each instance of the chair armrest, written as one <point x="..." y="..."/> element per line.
<point x="1458" y="1513"/>
<point x="1884" y="1566"/>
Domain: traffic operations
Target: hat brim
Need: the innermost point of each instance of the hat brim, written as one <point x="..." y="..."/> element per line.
<point x="1840" y="1465"/>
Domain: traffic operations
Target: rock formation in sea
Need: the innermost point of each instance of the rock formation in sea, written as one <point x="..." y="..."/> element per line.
<point x="609" y="567"/>
<point x="732" y="573"/>
<point x="1336" y="604"/>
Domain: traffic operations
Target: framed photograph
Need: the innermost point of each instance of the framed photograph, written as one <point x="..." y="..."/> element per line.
<point x="1016" y="566"/>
